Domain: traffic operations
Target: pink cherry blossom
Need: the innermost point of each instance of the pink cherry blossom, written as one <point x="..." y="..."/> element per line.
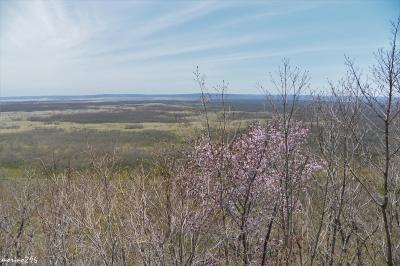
<point x="251" y="175"/>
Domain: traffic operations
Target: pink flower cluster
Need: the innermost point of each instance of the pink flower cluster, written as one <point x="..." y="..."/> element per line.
<point x="252" y="172"/>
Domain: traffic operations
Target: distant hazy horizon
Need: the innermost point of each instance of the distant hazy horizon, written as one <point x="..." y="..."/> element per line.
<point x="51" y="47"/>
<point x="130" y="95"/>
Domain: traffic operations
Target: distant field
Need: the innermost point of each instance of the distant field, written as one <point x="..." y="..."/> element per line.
<point x="33" y="133"/>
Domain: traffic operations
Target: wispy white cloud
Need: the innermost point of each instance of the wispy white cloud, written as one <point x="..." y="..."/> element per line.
<point x="41" y="24"/>
<point x="58" y="47"/>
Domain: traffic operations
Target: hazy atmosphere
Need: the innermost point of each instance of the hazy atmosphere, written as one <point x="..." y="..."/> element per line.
<point x="51" y="47"/>
<point x="199" y="133"/>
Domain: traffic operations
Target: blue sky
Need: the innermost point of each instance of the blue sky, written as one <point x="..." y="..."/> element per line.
<point x="93" y="47"/>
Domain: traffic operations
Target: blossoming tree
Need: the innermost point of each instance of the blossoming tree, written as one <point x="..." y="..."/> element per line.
<point x="246" y="181"/>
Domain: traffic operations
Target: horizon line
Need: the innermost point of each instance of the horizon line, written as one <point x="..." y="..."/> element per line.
<point x="129" y="94"/>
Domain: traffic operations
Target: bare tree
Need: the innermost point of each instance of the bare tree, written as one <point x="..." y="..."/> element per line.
<point x="380" y="95"/>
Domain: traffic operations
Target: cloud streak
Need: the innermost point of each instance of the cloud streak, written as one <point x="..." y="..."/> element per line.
<point x="81" y="47"/>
